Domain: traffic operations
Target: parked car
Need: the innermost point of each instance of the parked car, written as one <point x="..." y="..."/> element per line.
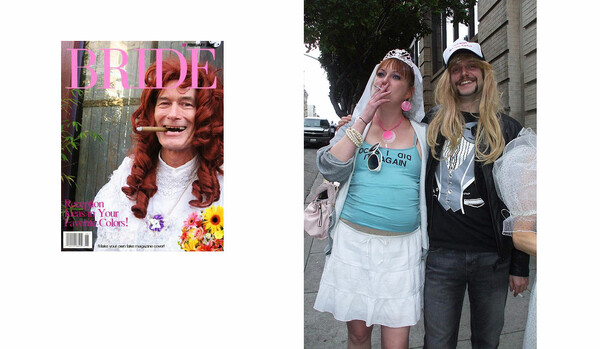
<point x="317" y="131"/>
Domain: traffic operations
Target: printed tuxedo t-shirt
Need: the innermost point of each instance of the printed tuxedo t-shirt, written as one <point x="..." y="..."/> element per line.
<point x="460" y="217"/>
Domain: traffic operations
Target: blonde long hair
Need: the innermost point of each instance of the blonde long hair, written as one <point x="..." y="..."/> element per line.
<point x="448" y="120"/>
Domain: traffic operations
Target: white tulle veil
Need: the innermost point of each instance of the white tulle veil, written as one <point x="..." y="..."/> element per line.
<point x="515" y="175"/>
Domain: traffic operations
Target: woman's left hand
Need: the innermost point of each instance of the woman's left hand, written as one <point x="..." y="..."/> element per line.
<point x="343" y="121"/>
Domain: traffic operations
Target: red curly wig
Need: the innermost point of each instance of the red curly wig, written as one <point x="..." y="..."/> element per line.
<point x="207" y="139"/>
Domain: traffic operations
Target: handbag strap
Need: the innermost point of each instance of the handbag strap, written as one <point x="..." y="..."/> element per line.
<point x="330" y="187"/>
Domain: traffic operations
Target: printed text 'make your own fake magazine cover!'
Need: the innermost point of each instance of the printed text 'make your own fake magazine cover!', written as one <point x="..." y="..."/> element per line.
<point x="142" y="146"/>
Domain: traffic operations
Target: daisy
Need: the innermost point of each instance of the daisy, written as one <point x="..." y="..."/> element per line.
<point x="192" y="220"/>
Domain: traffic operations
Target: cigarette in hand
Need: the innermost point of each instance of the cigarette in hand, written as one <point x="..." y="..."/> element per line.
<point x="160" y="128"/>
<point x="377" y="87"/>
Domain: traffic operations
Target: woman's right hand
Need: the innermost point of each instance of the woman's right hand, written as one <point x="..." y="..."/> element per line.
<point x="377" y="98"/>
<point x="345" y="148"/>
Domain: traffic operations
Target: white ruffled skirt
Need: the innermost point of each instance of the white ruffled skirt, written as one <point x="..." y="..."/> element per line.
<point x="377" y="279"/>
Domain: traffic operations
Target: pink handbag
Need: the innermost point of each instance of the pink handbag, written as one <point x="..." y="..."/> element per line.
<point x="318" y="212"/>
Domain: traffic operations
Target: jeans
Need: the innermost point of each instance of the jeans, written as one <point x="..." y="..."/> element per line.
<point x="448" y="273"/>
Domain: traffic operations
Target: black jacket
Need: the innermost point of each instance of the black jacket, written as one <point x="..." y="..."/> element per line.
<point x="519" y="261"/>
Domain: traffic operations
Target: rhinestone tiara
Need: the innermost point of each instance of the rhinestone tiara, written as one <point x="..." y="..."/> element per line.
<point x="401" y="55"/>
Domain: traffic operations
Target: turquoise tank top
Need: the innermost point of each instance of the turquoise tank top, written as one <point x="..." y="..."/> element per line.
<point x="389" y="199"/>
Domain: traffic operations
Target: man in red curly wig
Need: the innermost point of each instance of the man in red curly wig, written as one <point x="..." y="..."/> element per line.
<point x="167" y="195"/>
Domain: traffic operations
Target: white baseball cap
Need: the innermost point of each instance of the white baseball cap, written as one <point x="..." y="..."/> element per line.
<point x="461" y="45"/>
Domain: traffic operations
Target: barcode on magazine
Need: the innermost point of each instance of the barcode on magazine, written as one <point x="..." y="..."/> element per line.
<point x="77" y="239"/>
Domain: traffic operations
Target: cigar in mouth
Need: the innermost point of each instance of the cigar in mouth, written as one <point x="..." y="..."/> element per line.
<point x="160" y="128"/>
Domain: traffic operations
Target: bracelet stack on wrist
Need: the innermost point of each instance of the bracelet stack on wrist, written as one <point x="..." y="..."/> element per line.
<point x="354" y="136"/>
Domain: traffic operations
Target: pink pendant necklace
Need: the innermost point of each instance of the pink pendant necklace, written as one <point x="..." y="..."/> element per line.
<point x="388" y="135"/>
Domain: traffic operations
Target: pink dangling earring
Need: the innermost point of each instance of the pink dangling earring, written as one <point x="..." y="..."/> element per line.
<point x="406" y="105"/>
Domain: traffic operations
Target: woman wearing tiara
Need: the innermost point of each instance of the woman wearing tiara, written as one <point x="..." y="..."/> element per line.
<point x="374" y="267"/>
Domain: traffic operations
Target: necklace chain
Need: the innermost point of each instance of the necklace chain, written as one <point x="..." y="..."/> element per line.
<point x="180" y="196"/>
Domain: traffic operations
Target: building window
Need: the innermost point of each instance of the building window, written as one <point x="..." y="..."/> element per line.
<point x="445" y="32"/>
<point x="455" y="31"/>
<point x="437" y="42"/>
<point x="414" y="51"/>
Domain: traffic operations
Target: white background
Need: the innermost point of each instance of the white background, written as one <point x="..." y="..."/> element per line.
<point x="252" y="294"/>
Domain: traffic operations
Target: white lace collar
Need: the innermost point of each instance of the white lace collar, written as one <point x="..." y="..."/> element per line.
<point x="171" y="180"/>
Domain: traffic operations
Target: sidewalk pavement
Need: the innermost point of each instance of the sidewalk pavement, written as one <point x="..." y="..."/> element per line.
<point x="321" y="330"/>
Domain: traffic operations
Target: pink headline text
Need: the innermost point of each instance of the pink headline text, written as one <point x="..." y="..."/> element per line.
<point x="142" y="68"/>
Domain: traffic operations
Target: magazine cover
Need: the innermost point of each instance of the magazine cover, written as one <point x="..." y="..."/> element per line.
<point x="142" y="146"/>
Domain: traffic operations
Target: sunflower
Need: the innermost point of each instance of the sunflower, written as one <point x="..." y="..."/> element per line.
<point x="213" y="221"/>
